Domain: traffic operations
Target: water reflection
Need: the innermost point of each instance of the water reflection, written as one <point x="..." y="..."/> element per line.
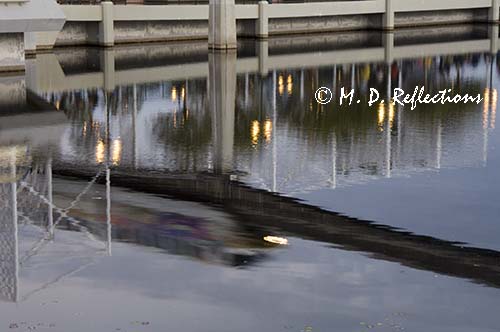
<point x="203" y="156"/>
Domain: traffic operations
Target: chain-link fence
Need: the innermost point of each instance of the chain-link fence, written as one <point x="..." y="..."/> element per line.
<point x="8" y="245"/>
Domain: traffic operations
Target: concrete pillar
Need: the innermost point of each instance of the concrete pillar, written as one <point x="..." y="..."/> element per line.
<point x="262" y="30"/>
<point x="494" y="11"/>
<point x="11" y="52"/>
<point x="388" y="19"/>
<point x="106" y="26"/>
<point x="263" y="54"/>
<point x="222" y="95"/>
<point x="222" y="24"/>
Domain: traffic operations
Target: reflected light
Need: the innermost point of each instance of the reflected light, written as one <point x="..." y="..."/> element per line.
<point x="255" y="131"/>
<point x="289" y="86"/>
<point x="381" y="115"/>
<point x="486" y="106"/>
<point x="268" y="130"/>
<point x="173" y="93"/>
<point x="116" y="151"/>
<point x="183" y="93"/>
<point x="276" y="240"/>
<point x="391" y="114"/>
<point x="99" y="152"/>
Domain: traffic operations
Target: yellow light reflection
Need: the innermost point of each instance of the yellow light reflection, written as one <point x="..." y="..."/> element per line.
<point x="183" y="93"/>
<point x="391" y="114"/>
<point x="281" y="85"/>
<point x="381" y="116"/>
<point x="276" y="240"/>
<point x="268" y="130"/>
<point x="289" y="84"/>
<point x="281" y="89"/>
<point x="100" y="152"/>
<point x="116" y="155"/>
<point x="255" y="131"/>
<point x="486" y="106"/>
<point x="173" y="93"/>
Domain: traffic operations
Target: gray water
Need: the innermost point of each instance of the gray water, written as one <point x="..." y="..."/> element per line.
<point x="211" y="192"/>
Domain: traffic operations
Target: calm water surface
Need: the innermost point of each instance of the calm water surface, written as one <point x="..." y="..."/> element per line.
<point x="162" y="188"/>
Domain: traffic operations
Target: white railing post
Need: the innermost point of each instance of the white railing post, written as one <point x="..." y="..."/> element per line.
<point x="262" y="30"/>
<point x="388" y="19"/>
<point x="106" y="26"/>
<point x="494" y="11"/>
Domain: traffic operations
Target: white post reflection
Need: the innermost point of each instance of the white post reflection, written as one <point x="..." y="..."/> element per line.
<point x="275" y="162"/>
<point x="334" y="161"/>
<point x="134" y="131"/>
<point x="14" y="225"/>
<point x="439" y="144"/>
<point x="108" y="210"/>
<point x="50" y="198"/>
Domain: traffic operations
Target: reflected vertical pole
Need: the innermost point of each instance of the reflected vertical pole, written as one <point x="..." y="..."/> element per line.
<point x="50" y="197"/>
<point x="134" y="125"/>
<point x="388" y="139"/>
<point x="108" y="210"/>
<point x="14" y="222"/>
<point x="353" y="70"/>
<point x="274" y="133"/>
<point x="399" y="108"/>
<point x="439" y="145"/>
<point x="108" y="180"/>
<point x="246" y="89"/>
<point x="334" y="86"/>
<point x="334" y="161"/>
<point x="301" y="84"/>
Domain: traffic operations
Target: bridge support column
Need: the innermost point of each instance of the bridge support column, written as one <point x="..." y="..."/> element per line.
<point x="222" y="94"/>
<point x="221" y="24"/>
<point x="494" y="11"/>
<point x="262" y="29"/>
<point x="106" y="26"/>
<point x="388" y="19"/>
